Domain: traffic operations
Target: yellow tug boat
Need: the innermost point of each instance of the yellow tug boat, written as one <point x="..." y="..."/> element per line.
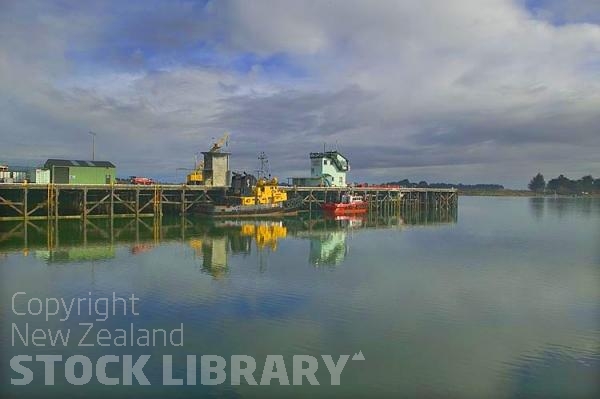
<point x="265" y="192"/>
<point x="265" y="199"/>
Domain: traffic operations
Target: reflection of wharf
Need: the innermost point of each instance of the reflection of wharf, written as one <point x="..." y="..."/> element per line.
<point x="212" y="241"/>
<point x="82" y="201"/>
<point x="142" y="234"/>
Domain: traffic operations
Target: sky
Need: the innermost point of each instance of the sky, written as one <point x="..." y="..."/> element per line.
<point x="471" y="91"/>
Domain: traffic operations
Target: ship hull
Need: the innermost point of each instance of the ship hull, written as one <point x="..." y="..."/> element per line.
<point x="224" y="211"/>
<point x="346" y="209"/>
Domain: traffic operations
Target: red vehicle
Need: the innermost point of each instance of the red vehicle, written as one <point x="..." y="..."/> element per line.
<point x="350" y="205"/>
<point x="146" y="181"/>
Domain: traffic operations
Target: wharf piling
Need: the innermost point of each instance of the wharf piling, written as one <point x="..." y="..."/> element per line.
<point x="85" y="201"/>
<point x="381" y="199"/>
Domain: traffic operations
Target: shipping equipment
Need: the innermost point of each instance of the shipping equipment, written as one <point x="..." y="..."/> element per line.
<point x="196" y="177"/>
<point x="248" y="196"/>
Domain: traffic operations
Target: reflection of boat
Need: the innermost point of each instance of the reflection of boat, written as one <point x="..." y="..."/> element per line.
<point x="352" y="221"/>
<point x="265" y="234"/>
<point x="350" y="204"/>
<point x="234" y="237"/>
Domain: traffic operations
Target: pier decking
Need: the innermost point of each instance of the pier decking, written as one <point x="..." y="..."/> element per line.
<point x="76" y="201"/>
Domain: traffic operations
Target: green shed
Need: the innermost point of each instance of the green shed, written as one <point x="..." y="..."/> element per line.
<point x="63" y="171"/>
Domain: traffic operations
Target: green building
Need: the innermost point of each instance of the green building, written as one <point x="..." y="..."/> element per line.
<point x="63" y="171"/>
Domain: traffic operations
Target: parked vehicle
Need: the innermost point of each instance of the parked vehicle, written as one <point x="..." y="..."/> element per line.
<point x="146" y="181"/>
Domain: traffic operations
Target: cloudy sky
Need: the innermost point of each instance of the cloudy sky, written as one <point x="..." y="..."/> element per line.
<point x="455" y="90"/>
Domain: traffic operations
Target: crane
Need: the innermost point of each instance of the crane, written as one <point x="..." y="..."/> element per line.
<point x="220" y="143"/>
<point x="196" y="176"/>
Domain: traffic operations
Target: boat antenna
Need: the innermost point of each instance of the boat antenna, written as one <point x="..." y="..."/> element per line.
<point x="264" y="165"/>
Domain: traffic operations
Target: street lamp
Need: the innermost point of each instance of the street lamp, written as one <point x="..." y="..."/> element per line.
<point x="93" y="144"/>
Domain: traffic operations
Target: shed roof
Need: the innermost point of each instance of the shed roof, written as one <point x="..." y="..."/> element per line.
<point x="68" y="162"/>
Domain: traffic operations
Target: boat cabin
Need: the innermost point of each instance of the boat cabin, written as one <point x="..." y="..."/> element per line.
<point x="350" y="199"/>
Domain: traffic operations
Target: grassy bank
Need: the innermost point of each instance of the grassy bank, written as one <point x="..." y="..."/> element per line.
<point x="497" y="193"/>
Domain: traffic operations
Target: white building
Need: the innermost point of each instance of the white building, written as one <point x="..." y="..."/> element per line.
<point x="331" y="167"/>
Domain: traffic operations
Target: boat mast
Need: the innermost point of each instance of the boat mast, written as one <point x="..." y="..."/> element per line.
<point x="264" y="171"/>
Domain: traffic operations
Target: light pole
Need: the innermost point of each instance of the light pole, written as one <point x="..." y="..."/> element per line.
<point x="93" y="144"/>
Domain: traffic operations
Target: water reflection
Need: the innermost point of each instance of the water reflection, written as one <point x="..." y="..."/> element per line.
<point x="541" y="207"/>
<point x="537" y="206"/>
<point x="211" y="241"/>
<point x="498" y="305"/>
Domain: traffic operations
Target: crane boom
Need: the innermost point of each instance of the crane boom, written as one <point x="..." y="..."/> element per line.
<point x="220" y="143"/>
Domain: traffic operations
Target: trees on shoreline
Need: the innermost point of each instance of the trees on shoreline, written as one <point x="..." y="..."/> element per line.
<point x="564" y="185"/>
<point x="538" y="183"/>
<point x="559" y="185"/>
<point x="460" y="186"/>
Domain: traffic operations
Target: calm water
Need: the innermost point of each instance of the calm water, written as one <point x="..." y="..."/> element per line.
<point x="502" y="300"/>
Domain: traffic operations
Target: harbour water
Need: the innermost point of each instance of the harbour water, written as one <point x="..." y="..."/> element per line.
<point x="501" y="300"/>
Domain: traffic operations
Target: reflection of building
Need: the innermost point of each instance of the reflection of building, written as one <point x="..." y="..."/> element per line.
<point x="213" y="251"/>
<point x="214" y="256"/>
<point x="235" y="237"/>
<point x="76" y="254"/>
<point x="328" y="248"/>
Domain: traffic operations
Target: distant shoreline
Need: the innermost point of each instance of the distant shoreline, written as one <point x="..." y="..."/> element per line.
<point x="519" y="193"/>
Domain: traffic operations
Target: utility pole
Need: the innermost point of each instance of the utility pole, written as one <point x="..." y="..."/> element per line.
<point x="93" y="145"/>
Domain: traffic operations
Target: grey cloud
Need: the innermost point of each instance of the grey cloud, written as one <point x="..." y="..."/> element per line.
<point x="293" y="112"/>
<point x="482" y="90"/>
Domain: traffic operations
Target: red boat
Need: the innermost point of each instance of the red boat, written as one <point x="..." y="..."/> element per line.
<point x="350" y="205"/>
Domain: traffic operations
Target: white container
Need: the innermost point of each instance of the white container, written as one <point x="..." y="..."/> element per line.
<point x="19" y="177"/>
<point x="42" y="176"/>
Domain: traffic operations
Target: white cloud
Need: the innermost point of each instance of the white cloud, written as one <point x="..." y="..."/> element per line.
<point x="417" y="86"/>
